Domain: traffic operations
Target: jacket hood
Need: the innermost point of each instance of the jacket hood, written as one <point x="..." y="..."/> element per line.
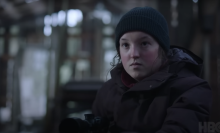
<point x="180" y="55"/>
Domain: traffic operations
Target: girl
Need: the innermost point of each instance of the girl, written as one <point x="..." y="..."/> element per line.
<point x="155" y="87"/>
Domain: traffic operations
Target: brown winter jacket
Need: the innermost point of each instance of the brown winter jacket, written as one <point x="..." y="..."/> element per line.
<point x="172" y="100"/>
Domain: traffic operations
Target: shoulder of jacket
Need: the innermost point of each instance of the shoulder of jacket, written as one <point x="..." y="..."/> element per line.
<point x="183" y="84"/>
<point x="187" y="82"/>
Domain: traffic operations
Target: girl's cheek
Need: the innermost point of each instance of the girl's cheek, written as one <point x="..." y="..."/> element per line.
<point x="150" y="56"/>
<point x="123" y="59"/>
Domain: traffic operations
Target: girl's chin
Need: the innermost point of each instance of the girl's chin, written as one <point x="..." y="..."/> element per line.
<point x="139" y="76"/>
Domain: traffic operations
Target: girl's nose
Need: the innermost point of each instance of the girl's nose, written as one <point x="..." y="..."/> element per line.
<point x="134" y="52"/>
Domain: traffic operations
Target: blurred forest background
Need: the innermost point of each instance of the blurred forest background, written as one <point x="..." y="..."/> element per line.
<point x="56" y="54"/>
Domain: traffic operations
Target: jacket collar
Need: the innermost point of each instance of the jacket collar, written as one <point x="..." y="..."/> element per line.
<point x="153" y="81"/>
<point x="127" y="80"/>
<point x="148" y="83"/>
<point x="116" y="76"/>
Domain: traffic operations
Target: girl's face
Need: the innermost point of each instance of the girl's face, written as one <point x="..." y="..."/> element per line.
<point x="139" y="54"/>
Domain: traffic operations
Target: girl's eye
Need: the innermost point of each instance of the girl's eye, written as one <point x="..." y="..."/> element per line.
<point x="144" y="43"/>
<point x="125" y="45"/>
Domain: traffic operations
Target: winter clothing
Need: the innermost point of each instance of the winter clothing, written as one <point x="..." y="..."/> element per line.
<point x="145" y="19"/>
<point x="173" y="100"/>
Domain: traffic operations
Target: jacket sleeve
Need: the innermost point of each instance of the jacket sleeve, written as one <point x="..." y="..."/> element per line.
<point x="188" y="111"/>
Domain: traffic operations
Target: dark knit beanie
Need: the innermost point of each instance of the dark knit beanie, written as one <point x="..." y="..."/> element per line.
<point x="145" y="19"/>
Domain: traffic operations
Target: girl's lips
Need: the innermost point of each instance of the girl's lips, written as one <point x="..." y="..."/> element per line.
<point x="135" y="64"/>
